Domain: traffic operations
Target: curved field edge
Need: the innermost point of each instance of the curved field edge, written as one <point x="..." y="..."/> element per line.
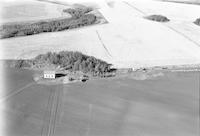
<point x="81" y="16"/>
<point x="17" y="30"/>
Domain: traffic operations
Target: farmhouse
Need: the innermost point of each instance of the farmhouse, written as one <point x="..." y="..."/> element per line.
<point x="49" y="74"/>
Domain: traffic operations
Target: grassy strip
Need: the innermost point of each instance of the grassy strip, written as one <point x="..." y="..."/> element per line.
<point x="15" y="30"/>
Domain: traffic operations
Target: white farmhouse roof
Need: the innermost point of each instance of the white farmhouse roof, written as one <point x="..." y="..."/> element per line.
<point x="49" y="74"/>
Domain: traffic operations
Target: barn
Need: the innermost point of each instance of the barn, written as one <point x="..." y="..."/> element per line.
<point x="49" y="74"/>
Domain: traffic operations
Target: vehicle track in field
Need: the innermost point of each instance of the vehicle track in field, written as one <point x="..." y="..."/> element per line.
<point x="54" y="2"/>
<point x="182" y="34"/>
<point x="52" y="112"/>
<point x="4" y="98"/>
<point x="133" y="7"/>
<point x="102" y="43"/>
<point x="170" y="27"/>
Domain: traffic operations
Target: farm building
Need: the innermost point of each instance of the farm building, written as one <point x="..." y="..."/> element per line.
<point x="49" y="74"/>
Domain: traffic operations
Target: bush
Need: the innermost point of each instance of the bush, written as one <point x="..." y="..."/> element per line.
<point x="158" y="18"/>
<point x="197" y="21"/>
<point x="21" y="64"/>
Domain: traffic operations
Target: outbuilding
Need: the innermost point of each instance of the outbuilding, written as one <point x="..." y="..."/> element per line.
<point x="49" y="74"/>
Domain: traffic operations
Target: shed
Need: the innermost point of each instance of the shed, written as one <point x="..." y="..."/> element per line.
<point x="49" y="74"/>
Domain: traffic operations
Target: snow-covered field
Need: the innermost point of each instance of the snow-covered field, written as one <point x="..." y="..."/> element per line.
<point x="127" y="40"/>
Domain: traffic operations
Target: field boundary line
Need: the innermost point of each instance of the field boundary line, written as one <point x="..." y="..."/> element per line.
<point x="54" y="2"/>
<point x="47" y="114"/>
<point x="57" y="104"/>
<point x="171" y="28"/>
<point x="182" y="34"/>
<point x="104" y="46"/>
<point x="181" y="2"/>
<point x="4" y="98"/>
<point x="51" y="114"/>
<point x="130" y="5"/>
<point x="90" y="120"/>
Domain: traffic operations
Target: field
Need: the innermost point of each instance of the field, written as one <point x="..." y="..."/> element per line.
<point x="127" y="40"/>
<point x="29" y="11"/>
<point x="164" y="105"/>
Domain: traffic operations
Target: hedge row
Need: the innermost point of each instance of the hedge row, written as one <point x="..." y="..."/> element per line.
<point x="15" y="30"/>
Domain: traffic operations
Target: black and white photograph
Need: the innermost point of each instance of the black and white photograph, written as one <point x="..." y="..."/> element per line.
<point x="99" y="67"/>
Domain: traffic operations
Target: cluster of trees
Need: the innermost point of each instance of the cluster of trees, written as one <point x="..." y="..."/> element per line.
<point x="78" y="12"/>
<point x="14" y="30"/>
<point x="158" y="18"/>
<point x="69" y="60"/>
<point x="197" y="21"/>
<point x="20" y="63"/>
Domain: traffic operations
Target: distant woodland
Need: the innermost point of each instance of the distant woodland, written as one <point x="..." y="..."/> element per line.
<point x="68" y="60"/>
<point x="79" y="17"/>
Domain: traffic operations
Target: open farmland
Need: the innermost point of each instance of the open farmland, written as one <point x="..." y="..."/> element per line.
<point x="162" y="106"/>
<point x="79" y="16"/>
<point x="182" y="17"/>
<point x="30" y="10"/>
<point x="153" y="101"/>
<point x="127" y="40"/>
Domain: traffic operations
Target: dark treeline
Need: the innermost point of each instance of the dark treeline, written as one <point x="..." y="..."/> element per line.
<point x="78" y="12"/>
<point x="67" y="60"/>
<point x="14" y="30"/>
<point x="158" y="18"/>
<point x="197" y="21"/>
